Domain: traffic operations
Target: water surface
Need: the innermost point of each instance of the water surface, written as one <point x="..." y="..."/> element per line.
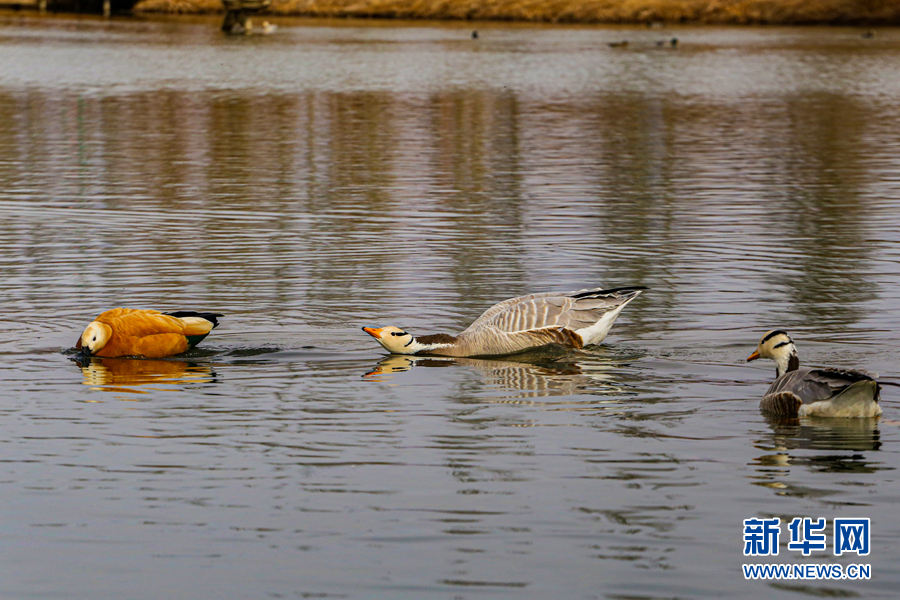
<point x="340" y="174"/>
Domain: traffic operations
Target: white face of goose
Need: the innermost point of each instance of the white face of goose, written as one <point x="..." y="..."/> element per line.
<point x="778" y="346"/>
<point x="94" y="338"/>
<point x="393" y="339"/>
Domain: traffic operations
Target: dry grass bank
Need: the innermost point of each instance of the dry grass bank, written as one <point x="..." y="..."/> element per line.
<point x="882" y="12"/>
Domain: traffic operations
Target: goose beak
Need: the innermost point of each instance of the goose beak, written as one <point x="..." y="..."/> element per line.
<point x="753" y="356"/>
<point x="375" y="333"/>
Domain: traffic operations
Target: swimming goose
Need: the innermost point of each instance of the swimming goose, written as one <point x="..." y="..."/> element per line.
<point x="572" y="319"/>
<point x="807" y="392"/>
<point x="149" y="333"/>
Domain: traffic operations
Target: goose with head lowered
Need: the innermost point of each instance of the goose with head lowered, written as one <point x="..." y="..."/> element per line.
<point x="814" y="392"/>
<point x="574" y="319"/>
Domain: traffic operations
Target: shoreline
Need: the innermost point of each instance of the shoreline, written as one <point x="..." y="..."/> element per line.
<point x="861" y="13"/>
<point x="718" y="12"/>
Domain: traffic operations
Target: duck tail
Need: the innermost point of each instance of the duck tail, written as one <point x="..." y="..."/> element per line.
<point x="211" y="317"/>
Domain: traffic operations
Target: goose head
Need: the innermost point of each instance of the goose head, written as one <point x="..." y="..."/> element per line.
<point x="778" y="346"/>
<point x="393" y="339"/>
<point x="95" y="337"/>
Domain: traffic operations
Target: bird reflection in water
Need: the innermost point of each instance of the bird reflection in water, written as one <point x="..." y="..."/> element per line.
<point x="141" y="376"/>
<point x="837" y="445"/>
<point x="825" y="434"/>
<point x="547" y="372"/>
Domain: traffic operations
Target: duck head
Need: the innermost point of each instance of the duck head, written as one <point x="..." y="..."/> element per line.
<point x="778" y="346"/>
<point x="95" y="338"/>
<point x="393" y="339"/>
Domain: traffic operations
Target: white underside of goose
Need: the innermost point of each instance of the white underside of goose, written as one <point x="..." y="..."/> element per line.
<point x="856" y="401"/>
<point x="597" y="332"/>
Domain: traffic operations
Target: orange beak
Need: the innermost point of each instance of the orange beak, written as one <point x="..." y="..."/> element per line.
<point x="374" y="332"/>
<point x="753" y="356"/>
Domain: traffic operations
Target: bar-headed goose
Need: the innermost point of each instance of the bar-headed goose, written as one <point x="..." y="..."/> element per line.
<point x="574" y="319"/>
<point x="807" y="392"/>
<point x="148" y="333"/>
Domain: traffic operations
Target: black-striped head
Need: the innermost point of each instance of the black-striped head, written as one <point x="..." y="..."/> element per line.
<point x="393" y="339"/>
<point x="778" y="346"/>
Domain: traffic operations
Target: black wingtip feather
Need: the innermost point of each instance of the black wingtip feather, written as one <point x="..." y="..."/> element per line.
<point x="211" y="317"/>
<point x="611" y="291"/>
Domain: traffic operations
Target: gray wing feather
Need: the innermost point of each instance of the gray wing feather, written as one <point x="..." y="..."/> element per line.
<point x="587" y="311"/>
<point x="781" y="404"/>
<point x="550" y="297"/>
<point x="812" y="385"/>
<point x="539" y="319"/>
<point x="535" y="313"/>
<point x="485" y="342"/>
<point x="548" y="309"/>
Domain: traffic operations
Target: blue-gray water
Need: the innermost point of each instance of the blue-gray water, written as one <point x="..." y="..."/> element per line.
<point x="340" y="174"/>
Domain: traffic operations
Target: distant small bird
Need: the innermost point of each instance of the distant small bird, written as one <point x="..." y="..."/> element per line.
<point x="806" y="392"/>
<point x="673" y="42"/>
<point x="621" y="44"/>
<point x="869" y="34"/>
<point x="474" y="35"/>
<point x="148" y="333"/>
<point x="268" y="28"/>
<point x="573" y="319"/>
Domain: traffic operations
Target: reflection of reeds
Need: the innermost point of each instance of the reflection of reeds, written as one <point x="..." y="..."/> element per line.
<point x="575" y="11"/>
<point x="245" y="4"/>
<point x="187" y="7"/>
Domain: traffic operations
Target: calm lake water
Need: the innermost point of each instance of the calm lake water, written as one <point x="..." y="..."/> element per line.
<point x="340" y="174"/>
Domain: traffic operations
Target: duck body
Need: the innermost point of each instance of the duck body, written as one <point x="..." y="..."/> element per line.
<point x="814" y="392"/>
<point x="148" y="333"/>
<point x="574" y="319"/>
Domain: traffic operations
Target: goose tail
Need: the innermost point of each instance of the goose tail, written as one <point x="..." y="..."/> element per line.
<point x="605" y="305"/>
<point x="629" y="292"/>
<point x="858" y="400"/>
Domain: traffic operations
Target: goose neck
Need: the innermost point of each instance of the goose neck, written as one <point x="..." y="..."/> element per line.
<point x="786" y="362"/>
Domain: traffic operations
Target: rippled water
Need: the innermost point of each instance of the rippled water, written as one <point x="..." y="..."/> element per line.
<point x="340" y="174"/>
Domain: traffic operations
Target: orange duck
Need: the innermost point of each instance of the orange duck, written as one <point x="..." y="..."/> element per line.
<point x="149" y="333"/>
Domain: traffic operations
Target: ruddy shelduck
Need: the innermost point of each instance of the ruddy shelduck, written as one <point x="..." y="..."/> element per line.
<point x="148" y="333"/>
